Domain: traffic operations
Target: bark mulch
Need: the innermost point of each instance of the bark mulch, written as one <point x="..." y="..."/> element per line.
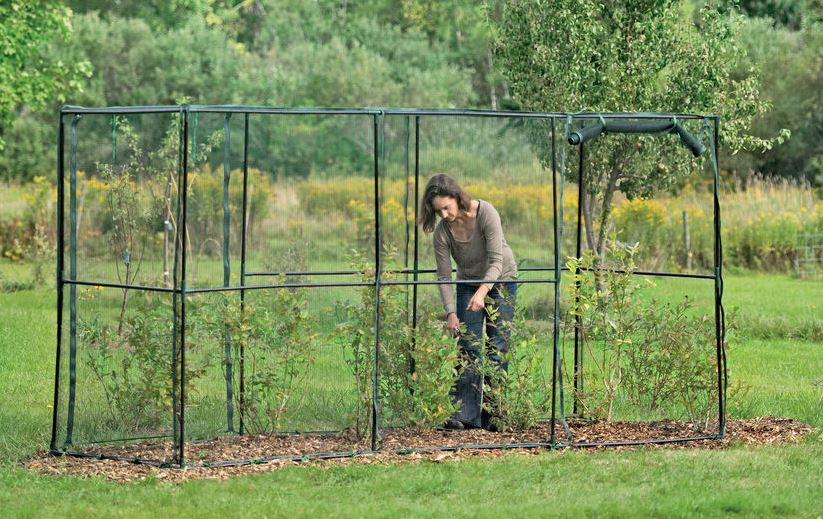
<point x="208" y="459"/>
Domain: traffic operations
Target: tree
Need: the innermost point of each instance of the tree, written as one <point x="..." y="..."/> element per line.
<point x="785" y="13"/>
<point x="459" y="26"/>
<point x="636" y="55"/>
<point x="793" y="82"/>
<point x="159" y="14"/>
<point x="26" y="29"/>
<point x="321" y="53"/>
<point x="462" y="25"/>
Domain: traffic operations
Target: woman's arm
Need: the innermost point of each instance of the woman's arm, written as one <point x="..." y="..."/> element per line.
<point x="493" y="231"/>
<point x="442" y="256"/>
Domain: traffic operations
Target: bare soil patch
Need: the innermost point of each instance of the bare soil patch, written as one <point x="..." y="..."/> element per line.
<point x="208" y="458"/>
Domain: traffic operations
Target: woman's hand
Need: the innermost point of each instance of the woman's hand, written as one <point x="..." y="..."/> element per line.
<point x="453" y="324"/>
<point x="478" y="300"/>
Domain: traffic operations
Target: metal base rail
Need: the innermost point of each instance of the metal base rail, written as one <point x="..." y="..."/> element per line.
<point x="369" y="452"/>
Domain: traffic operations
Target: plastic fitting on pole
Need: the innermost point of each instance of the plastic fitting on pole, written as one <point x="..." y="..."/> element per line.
<point x="586" y="134"/>
<point x="690" y="141"/>
<point x="592" y="131"/>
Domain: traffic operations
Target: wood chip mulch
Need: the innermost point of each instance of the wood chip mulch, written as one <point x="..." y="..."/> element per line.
<point x="208" y="459"/>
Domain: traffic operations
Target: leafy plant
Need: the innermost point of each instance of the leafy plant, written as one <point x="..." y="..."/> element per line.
<point x="127" y="234"/>
<point x="602" y="313"/>
<point x="31" y="78"/>
<point x="163" y="173"/>
<point x="518" y="397"/>
<point x="134" y="364"/>
<point x="39" y="216"/>
<point x="672" y="364"/>
<point x="30" y="236"/>
<point x="417" y="365"/>
<point x="436" y="364"/>
<point x="656" y="356"/>
<point x="272" y="333"/>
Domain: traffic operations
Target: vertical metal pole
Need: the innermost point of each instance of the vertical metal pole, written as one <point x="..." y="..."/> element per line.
<point x="410" y="314"/>
<point x="183" y="225"/>
<point x="60" y="266"/>
<point x="181" y="150"/>
<point x="243" y="266"/>
<point x="561" y="178"/>
<point x="719" y="318"/>
<point x="179" y="294"/>
<point x="416" y="208"/>
<point x="113" y="139"/>
<point x="578" y="357"/>
<point x="73" y="277"/>
<point x="557" y="272"/>
<point x="378" y="141"/>
<point x="687" y="247"/>
<point x="227" y="360"/>
<point x="406" y="213"/>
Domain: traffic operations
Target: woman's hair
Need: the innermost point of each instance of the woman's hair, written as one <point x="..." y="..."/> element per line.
<point x="440" y="185"/>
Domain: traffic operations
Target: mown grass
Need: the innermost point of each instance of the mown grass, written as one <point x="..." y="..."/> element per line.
<point x="741" y="482"/>
<point x="785" y="480"/>
<point x="26" y="350"/>
<point x="778" y="377"/>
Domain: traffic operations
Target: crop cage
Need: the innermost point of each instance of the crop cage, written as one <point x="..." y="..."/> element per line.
<point x="235" y="274"/>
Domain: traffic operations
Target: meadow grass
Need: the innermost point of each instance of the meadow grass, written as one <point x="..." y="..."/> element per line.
<point x="745" y="481"/>
<point x="12" y="199"/>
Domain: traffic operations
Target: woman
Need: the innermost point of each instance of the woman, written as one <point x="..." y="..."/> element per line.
<point x="470" y="232"/>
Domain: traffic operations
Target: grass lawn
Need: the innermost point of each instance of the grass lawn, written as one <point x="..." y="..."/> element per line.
<point x="781" y="377"/>
<point x="746" y="482"/>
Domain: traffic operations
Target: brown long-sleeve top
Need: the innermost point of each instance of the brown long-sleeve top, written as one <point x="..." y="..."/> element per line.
<point x="485" y="255"/>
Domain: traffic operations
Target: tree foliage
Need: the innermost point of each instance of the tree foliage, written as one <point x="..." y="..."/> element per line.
<point x="795" y="89"/>
<point x="638" y="55"/>
<point x="30" y="77"/>
<point x="634" y="55"/>
<point x="304" y="54"/>
<point x="783" y="13"/>
<point x="159" y="14"/>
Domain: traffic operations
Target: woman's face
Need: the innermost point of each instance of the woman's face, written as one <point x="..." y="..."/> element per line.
<point x="446" y="207"/>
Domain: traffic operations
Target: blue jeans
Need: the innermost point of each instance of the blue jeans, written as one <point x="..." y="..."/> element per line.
<point x="468" y="389"/>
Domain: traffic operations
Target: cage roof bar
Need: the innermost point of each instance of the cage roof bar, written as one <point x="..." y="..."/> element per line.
<point x="283" y="111"/>
<point x="115" y="110"/>
<point x="72" y="109"/>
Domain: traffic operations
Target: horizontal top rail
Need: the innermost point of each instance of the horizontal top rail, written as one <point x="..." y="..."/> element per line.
<point x="250" y="109"/>
<point x="115" y="110"/>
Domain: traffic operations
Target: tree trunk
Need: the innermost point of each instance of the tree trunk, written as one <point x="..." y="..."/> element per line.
<point x="606" y="210"/>
<point x="492" y="91"/>
<point x="125" y="301"/>
<point x="588" y="217"/>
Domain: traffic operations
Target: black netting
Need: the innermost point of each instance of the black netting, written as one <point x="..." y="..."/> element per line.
<point x="241" y="284"/>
